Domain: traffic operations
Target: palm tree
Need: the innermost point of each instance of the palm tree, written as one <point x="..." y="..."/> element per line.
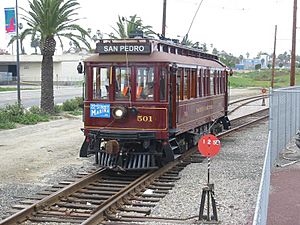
<point x="127" y="27"/>
<point x="49" y="19"/>
<point x="21" y="38"/>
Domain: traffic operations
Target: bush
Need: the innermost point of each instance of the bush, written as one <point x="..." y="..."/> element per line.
<point x="7" y="125"/>
<point x="58" y="109"/>
<point x="14" y="111"/>
<point x="12" y="114"/>
<point x="5" y="122"/>
<point x="36" y="110"/>
<point x="30" y="118"/>
<point x="72" y="104"/>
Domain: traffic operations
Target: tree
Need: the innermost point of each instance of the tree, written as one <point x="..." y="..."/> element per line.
<point x="125" y="28"/>
<point x="241" y="57"/>
<point x="204" y="47"/>
<point x="284" y="58"/>
<point x="215" y="51"/>
<point x="228" y="59"/>
<point x="21" y="38"/>
<point x="49" y="19"/>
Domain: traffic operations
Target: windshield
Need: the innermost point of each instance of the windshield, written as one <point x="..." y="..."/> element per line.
<point x="100" y="83"/>
<point x="122" y="83"/>
<point x="144" y="83"/>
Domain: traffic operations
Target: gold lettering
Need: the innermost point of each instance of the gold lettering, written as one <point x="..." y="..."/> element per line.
<point x="146" y="119"/>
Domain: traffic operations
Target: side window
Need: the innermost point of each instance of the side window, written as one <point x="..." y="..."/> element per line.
<point x="193" y="83"/>
<point x="212" y="81"/>
<point x="122" y="83"/>
<point x="163" y="84"/>
<point x="200" y="81"/>
<point x="145" y="83"/>
<point x="205" y="78"/>
<point x="186" y="84"/>
<point x="223" y="82"/>
<point x="100" y="83"/>
<point x="219" y="82"/>
<point x="179" y="87"/>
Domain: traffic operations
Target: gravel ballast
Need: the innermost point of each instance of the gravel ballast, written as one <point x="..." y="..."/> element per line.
<point x="235" y="172"/>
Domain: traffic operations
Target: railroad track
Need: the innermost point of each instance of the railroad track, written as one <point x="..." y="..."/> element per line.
<point x="246" y="120"/>
<point x="236" y="104"/>
<point x="102" y="196"/>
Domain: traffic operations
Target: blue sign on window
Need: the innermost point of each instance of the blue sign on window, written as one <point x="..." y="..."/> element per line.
<point x="100" y="110"/>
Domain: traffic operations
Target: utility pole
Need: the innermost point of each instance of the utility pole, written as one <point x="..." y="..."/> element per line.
<point x="293" y="59"/>
<point x="163" y="32"/>
<point x="18" y="56"/>
<point x="274" y="59"/>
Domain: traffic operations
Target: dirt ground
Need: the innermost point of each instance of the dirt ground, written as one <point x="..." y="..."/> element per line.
<point x="28" y="153"/>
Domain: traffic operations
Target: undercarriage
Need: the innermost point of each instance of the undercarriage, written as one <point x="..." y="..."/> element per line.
<point x="140" y="150"/>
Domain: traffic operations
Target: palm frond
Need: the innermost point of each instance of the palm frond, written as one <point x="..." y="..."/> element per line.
<point x="50" y="18"/>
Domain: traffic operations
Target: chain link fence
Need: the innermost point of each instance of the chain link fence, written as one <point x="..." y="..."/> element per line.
<point x="284" y="121"/>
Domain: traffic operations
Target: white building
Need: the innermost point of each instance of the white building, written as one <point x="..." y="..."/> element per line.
<point x="64" y="68"/>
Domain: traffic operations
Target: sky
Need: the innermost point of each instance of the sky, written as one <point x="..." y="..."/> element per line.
<point x="235" y="26"/>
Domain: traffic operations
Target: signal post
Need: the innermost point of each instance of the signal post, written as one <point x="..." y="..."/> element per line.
<point x="209" y="146"/>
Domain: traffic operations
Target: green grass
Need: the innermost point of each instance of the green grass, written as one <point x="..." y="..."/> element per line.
<point x="2" y="89"/>
<point x="7" y="89"/>
<point x="12" y="115"/>
<point x="262" y="78"/>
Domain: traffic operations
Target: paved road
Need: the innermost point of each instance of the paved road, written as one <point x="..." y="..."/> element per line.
<point x="32" y="97"/>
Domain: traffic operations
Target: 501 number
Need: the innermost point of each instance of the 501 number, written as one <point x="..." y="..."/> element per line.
<point x="144" y="119"/>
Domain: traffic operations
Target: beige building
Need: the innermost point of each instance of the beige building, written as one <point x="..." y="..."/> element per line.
<point x="64" y="68"/>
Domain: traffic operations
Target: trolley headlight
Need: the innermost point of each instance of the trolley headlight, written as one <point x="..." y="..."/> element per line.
<point x="119" y="112"/>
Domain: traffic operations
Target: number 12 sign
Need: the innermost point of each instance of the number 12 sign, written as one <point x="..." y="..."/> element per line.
<point x="209" y="145"/>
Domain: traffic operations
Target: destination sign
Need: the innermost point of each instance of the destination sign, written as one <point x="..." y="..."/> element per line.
<point x="121" y="48"/>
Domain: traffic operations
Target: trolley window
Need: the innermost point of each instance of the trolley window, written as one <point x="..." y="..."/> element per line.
<point x="179" y="83"/>
<point x="145" y="83"/>
<point x="205" y="82"/>
<point x="163" y="84"/>
<point x="193" y="83"/>
<point x="219" y="82"/>
<point x="186" y="84"/>
<point x="122" y="83"/>
<point x="222" y="82"/>
<point x="212" y="76"/>
<point x="200" y="81"/>
<point x="100" y="83"/>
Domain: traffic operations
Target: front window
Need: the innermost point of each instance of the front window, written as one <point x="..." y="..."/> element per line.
<point x="145" y="83"/>
<point x="122" y="85"/>
<point x="100" y="83"/>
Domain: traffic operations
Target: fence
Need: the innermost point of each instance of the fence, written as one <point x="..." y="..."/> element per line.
<point x="284" y="121"/>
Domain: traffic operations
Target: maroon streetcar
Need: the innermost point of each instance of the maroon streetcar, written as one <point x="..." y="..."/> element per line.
<point x="148" y="100"/>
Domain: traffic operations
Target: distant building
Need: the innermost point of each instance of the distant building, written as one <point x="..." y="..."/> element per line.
<point x="250" y="64"/>
<point x="64" y="68"/>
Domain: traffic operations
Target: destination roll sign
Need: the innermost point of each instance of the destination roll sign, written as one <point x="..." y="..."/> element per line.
<point x="122" y="48"/>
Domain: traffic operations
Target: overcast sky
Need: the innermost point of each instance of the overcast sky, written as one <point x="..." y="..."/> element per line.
<point x="235" y="26"/>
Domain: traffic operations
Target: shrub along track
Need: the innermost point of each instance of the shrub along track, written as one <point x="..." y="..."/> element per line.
<point x="102" y="195"/>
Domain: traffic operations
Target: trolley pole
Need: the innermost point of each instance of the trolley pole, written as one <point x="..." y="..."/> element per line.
<point x="163" y="31"/>
<point x="293" y="59"/>
<point x="274" y="58"/>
